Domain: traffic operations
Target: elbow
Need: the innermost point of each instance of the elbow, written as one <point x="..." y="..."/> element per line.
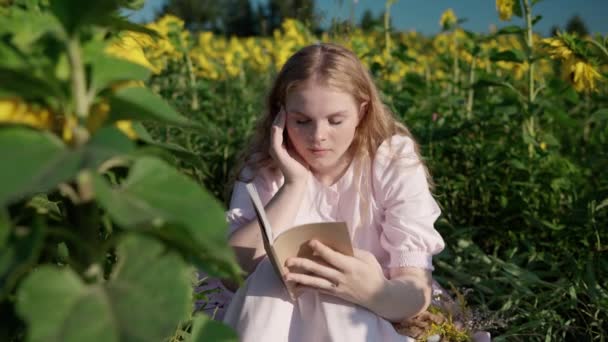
<point x="246" y="256"/>
<point x="426" y="293"/>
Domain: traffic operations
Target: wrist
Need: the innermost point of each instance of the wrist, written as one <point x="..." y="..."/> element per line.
<point x="297" y="184"/>
<point x="376" y="300"/>
<point x="413" y="296"/>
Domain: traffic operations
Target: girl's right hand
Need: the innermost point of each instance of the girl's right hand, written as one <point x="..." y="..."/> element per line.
<point x="294" y="168"/>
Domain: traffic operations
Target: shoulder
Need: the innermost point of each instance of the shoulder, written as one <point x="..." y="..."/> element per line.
<point x="396" y="149"/>
<point x="266" y="179"/>
<point x="249" y="174"/>
<point x="397" y="170"/>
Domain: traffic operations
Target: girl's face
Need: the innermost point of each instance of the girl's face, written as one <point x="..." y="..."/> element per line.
<point x="321" y="124"/>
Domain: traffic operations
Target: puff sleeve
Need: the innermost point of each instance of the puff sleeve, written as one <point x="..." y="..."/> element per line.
<point x="241" y="210"/>
<point x="409" y="210"/>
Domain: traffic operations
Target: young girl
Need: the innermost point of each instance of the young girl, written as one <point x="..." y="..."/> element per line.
<point x="329" y="150"/>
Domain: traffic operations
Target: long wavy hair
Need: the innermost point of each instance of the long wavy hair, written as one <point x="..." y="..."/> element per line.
<point x="339" y="68"/>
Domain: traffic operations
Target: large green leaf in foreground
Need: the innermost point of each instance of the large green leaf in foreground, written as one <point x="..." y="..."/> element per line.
<point x="20" y="248"/>
<point x="141" y="104"/>
<point x="157" y="195"/>
<point x="33" y="161"/>
<point x="205" y="329"/>
<point x="148" y="294"/>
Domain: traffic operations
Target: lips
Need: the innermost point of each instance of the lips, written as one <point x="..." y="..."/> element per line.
<point x="319" y="151"/>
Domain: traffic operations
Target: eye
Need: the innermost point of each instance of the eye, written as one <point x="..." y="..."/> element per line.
<point x="302" y="122"/>
<point x="335" y="123"/>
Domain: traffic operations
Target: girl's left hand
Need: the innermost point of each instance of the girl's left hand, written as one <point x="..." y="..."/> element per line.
<point x="357" y="279"/>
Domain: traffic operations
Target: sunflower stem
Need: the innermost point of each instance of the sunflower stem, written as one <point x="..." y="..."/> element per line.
<point x="530" y="46"/>
<point x="79" y="90"/>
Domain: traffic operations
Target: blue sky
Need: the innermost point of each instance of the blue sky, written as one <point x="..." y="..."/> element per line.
<point x="423" y="16"/>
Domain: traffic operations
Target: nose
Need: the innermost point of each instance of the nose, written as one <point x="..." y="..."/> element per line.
<point x="319" y="132"/>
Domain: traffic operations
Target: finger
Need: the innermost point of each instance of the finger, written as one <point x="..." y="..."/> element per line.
<point x="279" y="119"/>
<point x="311" y="281"/>
<point x="302" y="288"/>
<point x="311" y="266"/>
<point x="295" y="155"/>
<point x="277" y="133"/>
<point x="332" y="257"/>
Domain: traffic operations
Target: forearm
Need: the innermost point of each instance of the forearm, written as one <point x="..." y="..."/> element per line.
<point x="281" y="211"/>
<point x="403" y="297"/>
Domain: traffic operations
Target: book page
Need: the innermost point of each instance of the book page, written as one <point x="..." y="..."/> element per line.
<point x="294" y="242"/>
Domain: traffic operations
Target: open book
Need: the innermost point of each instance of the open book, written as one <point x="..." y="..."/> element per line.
<point x="294" y="241"/>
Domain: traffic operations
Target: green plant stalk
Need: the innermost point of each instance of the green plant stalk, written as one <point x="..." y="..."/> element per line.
<point x="77" y="77"/>
<point x="387" y="17"/>
<point x="195" y="105"/>
<point x="599" y="46"/>
<point x="79" y="91"/>
<point x="530" y="45"/>
<point x="471" y="91"/>
<point x="455" y="67"/>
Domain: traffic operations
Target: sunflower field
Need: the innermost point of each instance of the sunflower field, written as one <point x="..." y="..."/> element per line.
<point x="118" y="143"/>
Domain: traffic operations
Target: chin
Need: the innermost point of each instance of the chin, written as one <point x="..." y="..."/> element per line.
<point x="322" y="165"/>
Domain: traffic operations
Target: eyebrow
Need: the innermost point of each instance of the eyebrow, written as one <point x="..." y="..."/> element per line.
<point x="338" y="113"/>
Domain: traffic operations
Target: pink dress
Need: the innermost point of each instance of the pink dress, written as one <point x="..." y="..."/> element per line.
<point x="389" y="211"/>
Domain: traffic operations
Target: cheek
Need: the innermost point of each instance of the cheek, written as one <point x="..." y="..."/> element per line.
<point x="346" y="134"/>
<point x="295" y="135"/>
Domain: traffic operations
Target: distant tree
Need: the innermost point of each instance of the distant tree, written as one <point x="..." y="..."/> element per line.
<point x="302" y="10"/>
<point x="554" y="30"/>
<point x="196" y="14"/>
<point x="577" y="25"/>
<point x="239" y="19"/>
<point x="340" y="26"/>
<point x="368" y="21"/>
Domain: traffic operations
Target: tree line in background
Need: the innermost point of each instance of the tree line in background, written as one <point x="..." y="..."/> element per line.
<point x="243" y="19"/>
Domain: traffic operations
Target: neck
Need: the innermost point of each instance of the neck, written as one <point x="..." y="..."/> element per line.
<point x="331" y="175"/>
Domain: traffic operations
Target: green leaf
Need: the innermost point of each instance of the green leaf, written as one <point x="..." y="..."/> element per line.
<point x="10" y="58"/>
<point x="511" y="29"/>
<point x="599" y="115"/>
<point x="513" y="55"/>
<point x="602" y="205"/>
<point x="142" y="132"/>
<point x="517" y="9"/>
<point x="4" y="229"/>
<point x="121" y="24"/>
<point x="141" y="104"/>
<point x="20" y="248"/>
<point x="518" y="164"/>
<point x="552" y="225"/>
<point x="157" y="195"/>
<point x="23" y="83"/>
<point x="205" y="329"/>
<point x="27" y="27"/>
<point x="74" y="14"/>
<point x="147" y="295"/>
<point x="108" y="70"/>
<point x="133" y="4"/>
<point x="536" y="19"/>
<point x="43" y="206"/>
<point x="106" y="143"/>
<point x="180" y="152"/>
<point x="39" y="161"/>
<point x="570" y="95"/>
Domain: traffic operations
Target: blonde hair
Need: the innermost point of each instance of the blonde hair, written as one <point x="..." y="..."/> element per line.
<point x="337" y="67"/>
